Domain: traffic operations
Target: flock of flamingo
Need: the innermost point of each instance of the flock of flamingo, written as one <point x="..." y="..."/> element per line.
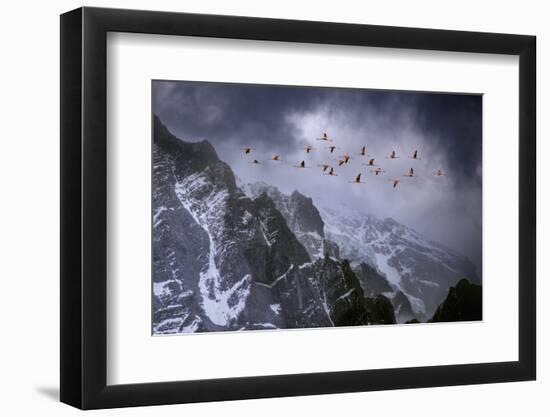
<point x="343" y="160"/>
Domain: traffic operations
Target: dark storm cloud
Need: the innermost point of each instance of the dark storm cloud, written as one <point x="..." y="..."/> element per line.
<point x="446" y="128"/>
<point x="232" y="112"/>
<point x="455" y="121"/>
<point x="239" y="113"/>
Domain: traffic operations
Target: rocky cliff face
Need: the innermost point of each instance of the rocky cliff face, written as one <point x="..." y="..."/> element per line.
<point x="380" y="310"/>
<point x="224" y="261"/>
<point x="371" y="280"/>
<point x="302" y="218"/>
<point x="403" y="308"/>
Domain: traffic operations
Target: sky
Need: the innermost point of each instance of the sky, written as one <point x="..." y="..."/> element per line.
<point x="446" y="129"/>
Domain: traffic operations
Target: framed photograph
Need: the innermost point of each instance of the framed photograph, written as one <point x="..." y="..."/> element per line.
<point x="257" y="208"/>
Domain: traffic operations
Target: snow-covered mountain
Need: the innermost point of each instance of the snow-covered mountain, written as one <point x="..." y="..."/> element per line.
<point x="224" y="261"/>
<point x="387" y="257"/>
<point x="421" y="269"/>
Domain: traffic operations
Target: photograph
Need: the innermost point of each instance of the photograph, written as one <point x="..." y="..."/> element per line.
<point x="291" y="207"/>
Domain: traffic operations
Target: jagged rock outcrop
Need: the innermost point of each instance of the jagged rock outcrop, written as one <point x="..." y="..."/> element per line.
<point x="402" y="307"/>
<point x="463" y="303"/>
<point x="371" y="280"/>
<point x="380" y="310"/>
<point x="302" y="217"/>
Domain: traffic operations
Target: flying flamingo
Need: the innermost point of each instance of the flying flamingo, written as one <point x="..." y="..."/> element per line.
<point x="332" y="148"/>
<point x="392" y="156"/>
<point x="357" y="179"/>
<point x="370" y="163"/>
<point x="414" y="155"/>
<point x="325" y="137"/>
<point x="331" y="173"/>
<point x="395" y="182"/>
<point x="410" y="173"/>
<point x="247" y="149"/>
<point x="377" y="171"/>
<point x="302" y="165"/>
<point x="439" y="173"/>
<point x="346" y="158"/>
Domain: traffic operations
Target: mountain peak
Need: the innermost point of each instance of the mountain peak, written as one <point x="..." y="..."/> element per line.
<point x="463" y="303"/>
<point x="298" y="194"/>
<point x="164" y="138"/>
<point x="301" y="215"/>
<point x="391" y="220"/>
<point x="263" y="200"/>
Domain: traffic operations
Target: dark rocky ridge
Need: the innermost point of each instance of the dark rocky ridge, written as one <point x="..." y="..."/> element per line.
<point x="372" y="281"/>
<point x="463" y="303"/>
<point x="380" y="310"/>
<point x="302" y="217"/>
<point x="403" y="308"/>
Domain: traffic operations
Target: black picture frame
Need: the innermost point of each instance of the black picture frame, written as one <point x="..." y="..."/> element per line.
<point x="84" y="207"/>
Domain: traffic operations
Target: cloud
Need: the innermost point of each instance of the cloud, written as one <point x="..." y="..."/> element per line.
<point x="444" y="128"/>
